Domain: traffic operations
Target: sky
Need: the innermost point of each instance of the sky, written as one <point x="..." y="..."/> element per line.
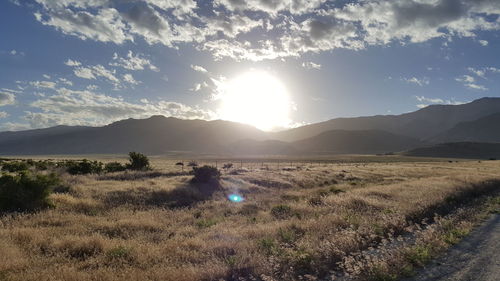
<point x="93" y="62"/>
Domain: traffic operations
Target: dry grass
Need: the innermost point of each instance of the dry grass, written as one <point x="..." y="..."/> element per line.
<point x="314" y="221"/>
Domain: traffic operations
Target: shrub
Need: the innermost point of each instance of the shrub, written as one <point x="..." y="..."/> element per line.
<point x="26" y="192"/>
<point x="114" y="167"/>
<point x="206" y="174"/>
<point x="205" y="223"/>
<point x="83" y="167"/>
<point x="119" y="252"/>
<point x="43" y="165"/>
<point x="227" y="166"/>
<point x="138" y="162"/>
<point x="268" y="245"/>
<point x="192" y="164"/>
<point x="281" y="211"/>
<point x="15" y="166"/>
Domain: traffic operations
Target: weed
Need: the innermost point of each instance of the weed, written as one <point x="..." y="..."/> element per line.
<point x="206" y="223"/>
<point x="281" y="211"/>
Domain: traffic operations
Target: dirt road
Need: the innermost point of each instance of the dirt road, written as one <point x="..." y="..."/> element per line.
<point x="477" y="257"/>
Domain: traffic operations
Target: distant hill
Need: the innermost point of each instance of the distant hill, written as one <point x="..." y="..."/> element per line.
<point x="475" y="121"/>
<point x="423" y="124"/>
<point x="486" y="129"/>
<point x="154" y="135"/>
<point x="471" y="150"/>
<point x="361" y="142"/>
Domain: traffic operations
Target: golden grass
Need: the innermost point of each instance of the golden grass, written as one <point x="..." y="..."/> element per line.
<point x="294" y="224"/>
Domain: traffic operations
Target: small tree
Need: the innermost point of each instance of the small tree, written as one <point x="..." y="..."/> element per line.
<point x="84" y="167"/>
<point x="206" y="174"/>
<point x="26" y="192"/>
<point x="114" y="167"/>
<point x="192" y="164"/>
<point x="15" y="166"/>
<point x="180" y="164"/>
<point x="227" y="166"/>
<point x="138" y="162"/>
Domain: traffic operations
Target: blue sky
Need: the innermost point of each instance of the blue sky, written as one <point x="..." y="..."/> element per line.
<point x="92" y="62"/>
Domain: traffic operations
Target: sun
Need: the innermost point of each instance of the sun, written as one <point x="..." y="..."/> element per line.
<point x="256" y="98"/>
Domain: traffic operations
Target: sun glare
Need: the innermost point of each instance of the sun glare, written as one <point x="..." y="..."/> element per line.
<point x="255" y="98"/>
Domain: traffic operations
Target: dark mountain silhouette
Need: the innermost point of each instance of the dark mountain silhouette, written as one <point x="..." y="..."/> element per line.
<point x="465" y="150"/>
<point x="486" y="129"/>
<point x="362" y="142"/>
<point x="422" y="124"/>
<point x="158" y="134"/>
<point x="155" y="135"/>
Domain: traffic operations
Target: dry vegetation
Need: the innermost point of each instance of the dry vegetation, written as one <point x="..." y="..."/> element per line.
<point x="363" y="221"/>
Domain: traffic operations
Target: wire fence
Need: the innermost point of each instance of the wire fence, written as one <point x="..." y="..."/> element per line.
<point x="260" y="164"/>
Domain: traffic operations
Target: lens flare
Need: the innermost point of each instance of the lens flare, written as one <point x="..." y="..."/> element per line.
<point x="235" y="198"/>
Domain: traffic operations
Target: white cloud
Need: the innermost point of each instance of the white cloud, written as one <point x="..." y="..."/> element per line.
<point x="273" y="6"/>
<point x="43" y="84"/>
<point x="13" y="126"/>
<point x="3" y="114"/>
<point x="133" y="62"/>
<point x="199" y="68"/>
<point x="72" y="107"/>
<point x="476" y="87"/>
<point x="65" y="81"/>
<point x="414" y="80"/>
<point x="96" y="71"/>
<point x="11" y="91"/>
<point x="84" y="72"/>
<point x="198" y="86"/>
<point x="130" y="79"/>
<point x="70" y="62"/>
<point x="106" y="25"/>
<point x="295" y="26"/>
<point x="425" y="101"/>
<point x="46" y="76"/>
<point x="471" y="82"/>
<point x="101" y="71"/>
<point x="311" y="65"/>
<point x="416" y="21"/>
<point x="231" y="26"/>
<point x="14" y="52"/>
<point x="6" y="98"/>
<point x="478" y="72"/>
<point x="483" y="42"/>
<point x="92" y="87"/>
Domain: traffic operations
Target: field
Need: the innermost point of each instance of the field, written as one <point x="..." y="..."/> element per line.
<point x="369" y="218"/>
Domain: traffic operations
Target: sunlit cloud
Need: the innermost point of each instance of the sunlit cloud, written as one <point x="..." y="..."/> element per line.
<point x="297" y="26"/>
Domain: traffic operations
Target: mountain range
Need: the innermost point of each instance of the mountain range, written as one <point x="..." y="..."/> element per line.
<point x="477" y="121"/>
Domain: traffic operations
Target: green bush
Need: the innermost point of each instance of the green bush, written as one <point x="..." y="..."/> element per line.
<point x="26" y="192"/>
<point x="84" y="167"/>
<point x="138" y="161"/>
<point x="43" y="165"/>
<point x="114" y="167"/>
<point x="281" y="211"/>
<point x="206" y="174"/>
<point x="15" y="166"/>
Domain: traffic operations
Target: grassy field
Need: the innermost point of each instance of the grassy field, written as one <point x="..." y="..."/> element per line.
<point x="369" y="217"/>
